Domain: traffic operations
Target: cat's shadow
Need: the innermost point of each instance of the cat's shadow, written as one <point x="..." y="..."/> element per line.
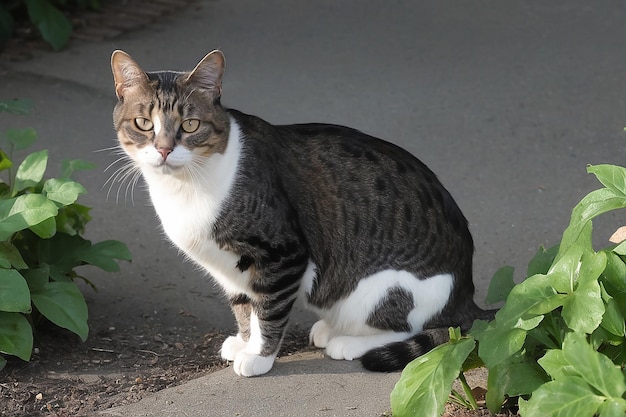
<point x="313" y="361"/>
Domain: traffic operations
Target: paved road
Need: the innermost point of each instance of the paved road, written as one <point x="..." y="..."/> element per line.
<point x="506" y="101"/>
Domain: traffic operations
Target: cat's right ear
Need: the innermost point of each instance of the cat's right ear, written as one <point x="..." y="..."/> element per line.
<point x="126" y="72"/>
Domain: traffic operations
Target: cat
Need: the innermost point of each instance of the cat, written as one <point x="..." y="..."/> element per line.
<point x="358" y="228"/>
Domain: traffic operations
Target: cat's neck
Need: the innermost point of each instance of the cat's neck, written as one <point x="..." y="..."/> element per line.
<point x="202" y="190"/>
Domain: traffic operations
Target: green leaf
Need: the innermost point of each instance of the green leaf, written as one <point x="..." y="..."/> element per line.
<point x="593" y="204"/>
<point x="514" y="377"/>
<point x="612" y="320"/>
<point x="16" y="335"/>
<point x="11" y="257"/>
<point x="63" y="304"/>
<point x="562" y="398"/>
<point x="583" y="308"/>
<point x="23" y="212"/>
<point x="53" y="25"/>
<point x="14" y="292"/>
<point x="37" y="278"/>
<point x="20" y="139"/>
<point x="5" y="162"/>
<point x="62" y="191"/>
<point x="613" y="407"/>
<point x="620" y="249"/>
<point x="615" y="272"/>
<point x="103" y="255"/>
<point x="524" y="310"/>
<point x="46" y="229"/>
<point x="31" y="171"/>
<point x="69" y="166"/>
<point x="17" y="106"/>
<point x="72" y="219"/>
<point x="595" y="368"/>
<point x="611" y="176"/>
<point x="542" y="261"/>
<point x="425" y="383"/>
<point x="555" y="364"/>
<point x="501" y="285"/>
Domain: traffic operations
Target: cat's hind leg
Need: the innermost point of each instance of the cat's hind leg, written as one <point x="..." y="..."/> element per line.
<point x="353" y="347"/>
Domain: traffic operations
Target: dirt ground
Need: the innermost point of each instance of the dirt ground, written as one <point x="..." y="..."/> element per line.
<point x="115" y="366"/>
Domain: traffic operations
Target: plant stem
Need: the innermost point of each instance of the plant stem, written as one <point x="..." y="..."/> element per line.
<point x="468" y="392"/>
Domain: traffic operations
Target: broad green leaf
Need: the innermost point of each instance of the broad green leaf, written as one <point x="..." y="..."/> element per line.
<point x="24" y="211"/>
<point x="568" y="267"/>
<point x="5" y="162"/>
<point x="17" y="106"/>
<point x="583" y="308"/>
<point x="20" y="139"/>
<point x="620" y="249"/>
<point x="501" y="285"/>
<point x="612" y="319"/>
<point x="11" y="257"/>
<point x="37" y="278"/>
<point x="31" y="171"/>
<point x="16" y="335"/>
<point x="103" y="255"/>
<point x="14" y="292"/>
<point x="593" y="204"/>
<point x="46" y="229"/>
<point x="52" y="24"/>
<point x="72" y="219"/>
<point x="426" y="382"/>
<point x="63" y="304"/>
<point x="522" y="312"/>
<point x="611" y="176"/>
<point x="542" y="261"/>
<point x="69" y="166"/>
<point x="562" y="398"/>
<point x="555" y="364"/>
<point x="595" y="368"/>
<point x="514" y="377"/>
<point x="63" y="191"/>
<point x="613" y="407"/>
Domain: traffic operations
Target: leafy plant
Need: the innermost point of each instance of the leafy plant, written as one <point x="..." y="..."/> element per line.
<point x="557" y="347"/>
<point x="46" y="15"/>
<point x="41" y="245"/>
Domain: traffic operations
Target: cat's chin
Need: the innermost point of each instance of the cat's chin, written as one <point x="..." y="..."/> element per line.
<point x="166" y="169"/>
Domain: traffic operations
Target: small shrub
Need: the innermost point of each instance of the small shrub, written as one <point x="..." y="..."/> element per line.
<point x="558" y="346"/>
<point x="41" y="245"/>
<point x="46" y="15"/>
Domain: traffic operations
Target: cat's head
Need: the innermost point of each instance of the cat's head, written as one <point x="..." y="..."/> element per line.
<point x="166" y="121"/>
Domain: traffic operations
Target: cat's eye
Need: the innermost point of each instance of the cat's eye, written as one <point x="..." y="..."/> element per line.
<point x="190" y="125"/>
<point x="143" y="124"/>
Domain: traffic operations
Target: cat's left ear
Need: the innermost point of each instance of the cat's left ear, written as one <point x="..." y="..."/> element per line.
<point x="207" y="75"/>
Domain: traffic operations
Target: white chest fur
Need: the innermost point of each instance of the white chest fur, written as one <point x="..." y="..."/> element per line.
<point x="188" y="201"/>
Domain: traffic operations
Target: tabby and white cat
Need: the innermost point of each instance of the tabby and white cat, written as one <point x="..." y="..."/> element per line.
<point x="358" y="228"/>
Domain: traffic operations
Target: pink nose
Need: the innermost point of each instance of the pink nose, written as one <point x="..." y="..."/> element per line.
<point x="164" y="152"/>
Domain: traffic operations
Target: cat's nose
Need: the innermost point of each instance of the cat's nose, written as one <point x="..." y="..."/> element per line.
<point x="164" y="152"/>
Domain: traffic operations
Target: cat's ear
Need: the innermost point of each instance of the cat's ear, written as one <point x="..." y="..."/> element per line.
<point x="207" y="75"/>
<point x="126" y="72"/>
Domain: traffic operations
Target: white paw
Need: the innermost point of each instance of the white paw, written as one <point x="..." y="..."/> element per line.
<point x="345" y="348"/>
<point x="249" y="364"/>
<point x="320" y="334"/>
<point x="232" y="346"/>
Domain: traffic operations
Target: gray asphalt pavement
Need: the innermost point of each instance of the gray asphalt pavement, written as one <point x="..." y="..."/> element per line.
<point x="506" y="101"/>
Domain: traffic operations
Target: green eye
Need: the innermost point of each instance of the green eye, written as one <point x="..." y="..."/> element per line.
<point x="190" y="125"/>
<point x="143" y="124"/>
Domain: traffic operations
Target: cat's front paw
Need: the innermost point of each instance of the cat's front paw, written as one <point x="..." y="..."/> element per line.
<point x="320" y="334"/>
<point x="345" y="348"/>
<point x="232" y="346"/>
<point x="249" y="364"/>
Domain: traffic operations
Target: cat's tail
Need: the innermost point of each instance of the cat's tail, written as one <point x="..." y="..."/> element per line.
<point x="395" y="356"/>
